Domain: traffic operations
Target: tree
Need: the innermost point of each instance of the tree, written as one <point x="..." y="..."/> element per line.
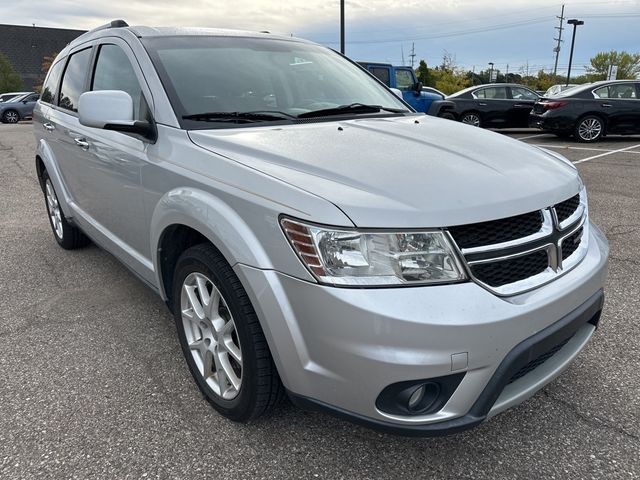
<point x="628" y="65"/>
<point x="47" y="61"/>
<point x="9" y="80"/>
<point x="424" y="75"/>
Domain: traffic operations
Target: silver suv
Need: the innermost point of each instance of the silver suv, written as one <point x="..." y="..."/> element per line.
<point x="312" y="235"/>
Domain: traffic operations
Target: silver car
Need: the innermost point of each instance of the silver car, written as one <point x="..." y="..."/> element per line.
<point x="312" y="235"/>
<point x="18" y="108"/>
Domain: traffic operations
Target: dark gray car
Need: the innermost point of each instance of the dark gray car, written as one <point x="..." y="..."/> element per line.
<point x="18" y="108"/>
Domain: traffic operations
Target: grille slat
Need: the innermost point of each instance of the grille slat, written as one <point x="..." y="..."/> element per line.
<point x="497" y="231"/>
<point x="498" y="273"/>
<point x="565" y="209"/>
<point x="571" y="243"/>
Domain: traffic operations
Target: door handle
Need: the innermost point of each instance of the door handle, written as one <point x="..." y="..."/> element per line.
<point x="49" y="127"/>
<point x="520" y="105"/>
<point x="82" y="143"/>
<point x="482" y="104"/>
<point x="606" y="105"/>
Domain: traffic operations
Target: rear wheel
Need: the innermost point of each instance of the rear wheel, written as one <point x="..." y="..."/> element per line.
<point x="10" y="116"/>
<point x="68" y="236"/>
<point x="471" y="118"/>
<point x="589" y="129"/>
<point x="221" y="337"/>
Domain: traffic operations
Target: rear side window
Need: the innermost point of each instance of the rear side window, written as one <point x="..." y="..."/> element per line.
<point x="381" y="74"/>
<point x="73" y="80"/>
<point x="491" y="93"/>
<point x="50" y="87"/>
<point x="113" y="71"/>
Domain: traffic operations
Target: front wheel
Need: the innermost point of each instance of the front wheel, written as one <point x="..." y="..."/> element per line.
<point x="589" y="129"/>
<point x="471" y="118"/>
<point x="221" y="337"/>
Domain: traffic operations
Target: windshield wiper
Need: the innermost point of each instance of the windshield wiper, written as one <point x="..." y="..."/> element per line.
<point x="351" y="108"/>
<point x="239" y="117"/>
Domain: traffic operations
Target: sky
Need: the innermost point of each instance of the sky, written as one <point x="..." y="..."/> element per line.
<point x="515" y="34"/>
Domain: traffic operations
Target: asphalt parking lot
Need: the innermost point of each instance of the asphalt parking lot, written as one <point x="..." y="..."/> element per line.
<point x="93" y="383"/>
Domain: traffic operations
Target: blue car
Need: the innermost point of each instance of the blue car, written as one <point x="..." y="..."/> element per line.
<point x="18" y="108"/>
<point x="422" y="99"/>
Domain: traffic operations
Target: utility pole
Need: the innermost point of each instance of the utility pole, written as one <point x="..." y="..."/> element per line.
<point x="559" y="39"/>
<point x="413" y="53"/>
<point x="342" y="27"/>
<point x="506" y="75"/>
<point x="575" y="22"/>
<point x="402" y="50"/>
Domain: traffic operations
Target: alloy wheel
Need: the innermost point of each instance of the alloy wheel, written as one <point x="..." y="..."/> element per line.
<point x="590" y="129"/>
<point x="11" y="117"/>
<point x="471" y="119"/>
<point x="211" y="334"/>
<point x="54" y="209"/>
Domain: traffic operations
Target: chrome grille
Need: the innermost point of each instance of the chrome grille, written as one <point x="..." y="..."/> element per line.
<point x="497" y="231"/>
<point x="516" y="254"/>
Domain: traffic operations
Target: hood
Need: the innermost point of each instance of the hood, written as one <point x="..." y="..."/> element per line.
<point x="403" y="172"/>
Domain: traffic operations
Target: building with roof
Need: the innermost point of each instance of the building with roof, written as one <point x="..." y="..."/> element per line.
<point x="26" y="47"/>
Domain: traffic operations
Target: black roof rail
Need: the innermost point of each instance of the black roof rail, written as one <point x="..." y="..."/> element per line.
<point x="106" y="26"/>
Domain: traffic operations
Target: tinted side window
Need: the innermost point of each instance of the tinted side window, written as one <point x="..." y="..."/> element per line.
<point x="73" y="80"/>
<point x="51" y="84"/>
<point x="523" y="94"/>
<point x="381" y="74"/>
<point x="491" y="93"/>
<point x="113" y="71"/>
<point x="32" y="98"/>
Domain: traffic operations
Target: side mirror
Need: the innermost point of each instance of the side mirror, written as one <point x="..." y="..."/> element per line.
<point x="417" y="87"/>
<point x="112" y="110"/>
<point x="397" y="92"/>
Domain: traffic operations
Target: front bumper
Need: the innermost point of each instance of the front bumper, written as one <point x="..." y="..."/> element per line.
<point x="338" y="348"/>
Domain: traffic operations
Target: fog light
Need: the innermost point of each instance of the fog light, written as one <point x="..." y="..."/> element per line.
<point x="418" y="397"/>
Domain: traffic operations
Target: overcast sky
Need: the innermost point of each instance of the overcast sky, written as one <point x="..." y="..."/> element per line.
<point x="475" y="31"/>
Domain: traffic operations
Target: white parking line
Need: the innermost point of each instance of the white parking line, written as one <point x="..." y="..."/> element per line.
<point x="531" y="136"/>
<point x="607" y="153"/>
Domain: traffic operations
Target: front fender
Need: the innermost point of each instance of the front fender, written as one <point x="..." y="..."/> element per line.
<point x="214" y="219"/>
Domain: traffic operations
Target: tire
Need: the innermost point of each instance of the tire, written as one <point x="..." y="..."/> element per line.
<point x="68" y="236"/>
<point x="471" y="118"/>
<point x="589" y="129"/>
<point x="228" y="343"/>
<point x="10" y="116"/>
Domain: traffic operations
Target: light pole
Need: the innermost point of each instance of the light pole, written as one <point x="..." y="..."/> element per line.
<point x="342" y="27"/>
<point x="491" y="72"/>
<point x="575" y="22"/>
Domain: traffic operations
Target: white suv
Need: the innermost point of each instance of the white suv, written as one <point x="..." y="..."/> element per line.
<point x="312" y="234"/>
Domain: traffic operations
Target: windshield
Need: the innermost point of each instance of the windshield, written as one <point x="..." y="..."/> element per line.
<point x="567" y="92"/>
<point x="262" y="79"/>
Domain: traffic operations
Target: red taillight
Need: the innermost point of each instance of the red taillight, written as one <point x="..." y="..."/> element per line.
<point x="553" y="105"/>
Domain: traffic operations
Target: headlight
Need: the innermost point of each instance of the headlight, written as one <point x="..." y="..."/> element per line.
<point x="361" y="258"/>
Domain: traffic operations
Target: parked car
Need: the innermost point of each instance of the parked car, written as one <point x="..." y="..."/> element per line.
<point x="555" y="89"/>
<point x="422" y="99"/>
<point x="591" y="111"/>
<point x="18" y="108"/>
<point x="9" y="95"/>
<point x="496" y="105"/>
<point x="311" y="234"/>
